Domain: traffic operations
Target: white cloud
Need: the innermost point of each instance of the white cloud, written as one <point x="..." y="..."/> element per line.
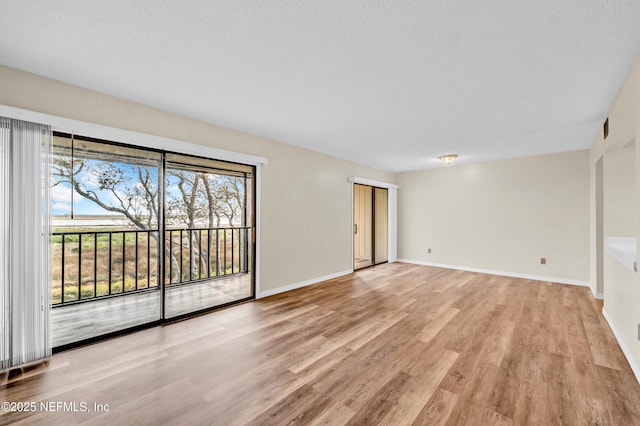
<point x="60" y="193"/>
<point x="61" y="206"/>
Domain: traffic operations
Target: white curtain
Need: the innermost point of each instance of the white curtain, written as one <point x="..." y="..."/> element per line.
<point x="24" y="242"/>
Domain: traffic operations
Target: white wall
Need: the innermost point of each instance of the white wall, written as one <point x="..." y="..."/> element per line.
<point x="619" y="191"/>
<point x="306" y="196"/>
<point x="621" y="286"/>
<point x="501" y="216"/>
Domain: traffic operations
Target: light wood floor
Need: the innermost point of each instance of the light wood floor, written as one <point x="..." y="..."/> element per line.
<point x="395" y="344"/>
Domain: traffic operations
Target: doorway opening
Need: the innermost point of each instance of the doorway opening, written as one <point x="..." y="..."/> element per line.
<point x="370" y="225"/>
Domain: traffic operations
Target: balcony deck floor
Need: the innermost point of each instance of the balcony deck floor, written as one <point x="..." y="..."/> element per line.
<point x="73" y="323"/>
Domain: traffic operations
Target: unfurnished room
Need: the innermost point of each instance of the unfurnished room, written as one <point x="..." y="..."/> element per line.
<point x="319" y="212"/>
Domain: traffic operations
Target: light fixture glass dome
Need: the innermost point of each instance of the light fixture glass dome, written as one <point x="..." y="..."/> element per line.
<point x="448" y="158"/>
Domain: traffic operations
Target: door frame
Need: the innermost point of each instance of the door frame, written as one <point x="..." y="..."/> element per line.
<point x="392" y="215"/>
<point x="162" y="248"/>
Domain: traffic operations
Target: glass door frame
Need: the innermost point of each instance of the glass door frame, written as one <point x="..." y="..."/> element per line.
<point x="250" y="191"/>
<point x="251" y="265"/>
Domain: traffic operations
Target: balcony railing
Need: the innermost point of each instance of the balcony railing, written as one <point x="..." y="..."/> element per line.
<point x="98" y="264"/>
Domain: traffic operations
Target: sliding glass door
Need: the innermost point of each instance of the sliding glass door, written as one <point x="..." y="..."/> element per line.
<point x="370" y="226"/>
<point x="207" y="236"/>
<point x="105" y="240"/>
<point x="140" y="236"/>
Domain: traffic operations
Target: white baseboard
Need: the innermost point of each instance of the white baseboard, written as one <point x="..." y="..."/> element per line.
<point x="502" y="273"/>
<point x="301" y="284"/>
<point x="624" y="348"/>
<point x="596" y="295"/>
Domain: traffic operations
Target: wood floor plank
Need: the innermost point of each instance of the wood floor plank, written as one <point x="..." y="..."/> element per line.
<point x="496" y="343"/>
<point x="383" y="323"/>
<point x="492" y="418"/>
<point x="335" y="415"/>
<point x="419" y="390"/>
<point x="382" y="402"/>
<point x="437" y="410"/>
<point x="331" y="345"/>
<point x="394" y="344"/>
<point x="434" y="326"/>
<point x="473" y="397"/>
<point x="603" y="353"/>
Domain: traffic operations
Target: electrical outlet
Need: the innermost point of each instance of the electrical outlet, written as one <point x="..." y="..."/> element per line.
<point x="429" y="251"/>
<point x="543" y="260"/>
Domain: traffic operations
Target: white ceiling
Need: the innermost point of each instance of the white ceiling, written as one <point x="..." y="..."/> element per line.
<point x="390" y="84"/>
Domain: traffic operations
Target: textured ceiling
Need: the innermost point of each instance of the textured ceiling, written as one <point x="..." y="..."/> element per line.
<point x="390" y="84"/>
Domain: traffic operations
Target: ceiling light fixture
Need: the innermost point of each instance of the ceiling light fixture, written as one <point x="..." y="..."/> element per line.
<point x="448" y="158"/>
